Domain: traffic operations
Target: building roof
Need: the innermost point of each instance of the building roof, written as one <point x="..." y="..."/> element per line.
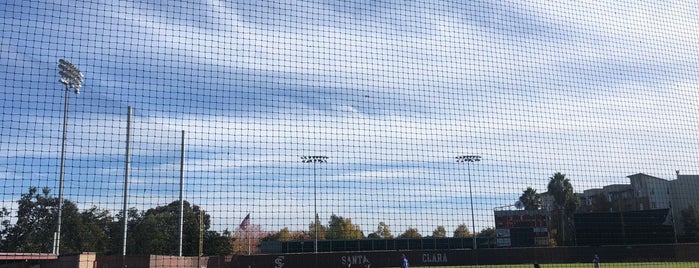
<point x="644" y="176"/>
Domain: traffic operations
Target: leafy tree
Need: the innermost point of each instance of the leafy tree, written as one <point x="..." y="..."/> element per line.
<point x="489" y="235"/>
<point x="382" y="232"/>
<point x="36" y="220"/>
<point x="285" y="235"/>
<point x="157" y="230"/>
<point x="566" y="203"/>
<point x="322" y="230"/>
<point x="439" y="232"/>
<point x="342" y="228"/>
<point x="462" y="231"/>
<point x="4" y="227"/>
<point x="247" y="239"/>
<point x="116" y="231"/>
<point x="531" y="199"/>
<point x="690" y="220"/>
<point x="36" y="224"/>
<point x="410" y="233"/>
<point x="218" y="244"/>
<point x="90" y="231"/>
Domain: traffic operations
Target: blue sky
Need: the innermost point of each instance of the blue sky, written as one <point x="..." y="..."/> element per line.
<point x="391" y="91"/>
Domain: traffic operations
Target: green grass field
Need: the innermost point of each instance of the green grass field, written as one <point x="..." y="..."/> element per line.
<point x="589" y="265"/>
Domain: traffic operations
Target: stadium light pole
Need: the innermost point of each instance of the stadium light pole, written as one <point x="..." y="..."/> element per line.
<point x="468" y="159"/>
<point x="72" y="78"/>
<point x="315" y="159"/>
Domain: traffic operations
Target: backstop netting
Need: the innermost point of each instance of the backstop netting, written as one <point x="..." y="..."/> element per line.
<point x="430" y="128"/>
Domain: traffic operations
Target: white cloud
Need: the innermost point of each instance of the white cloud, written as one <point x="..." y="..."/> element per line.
<point x="409" y="101"/>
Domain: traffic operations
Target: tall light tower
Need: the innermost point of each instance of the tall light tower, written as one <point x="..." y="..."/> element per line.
<point x="72" y="78"/>
<point x="468" y="159"/>
<point x="315" y="159"/>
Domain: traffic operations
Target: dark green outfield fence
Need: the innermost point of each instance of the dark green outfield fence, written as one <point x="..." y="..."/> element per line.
<point x="608" y="254"/>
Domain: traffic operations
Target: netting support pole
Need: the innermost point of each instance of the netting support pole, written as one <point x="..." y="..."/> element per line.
<point x="181" y="192"/>
<point x="125" y="216"/>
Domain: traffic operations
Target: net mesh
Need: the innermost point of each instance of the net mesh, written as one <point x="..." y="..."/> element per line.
<point x="279" y="123"/>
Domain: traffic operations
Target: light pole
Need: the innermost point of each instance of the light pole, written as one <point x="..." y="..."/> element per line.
<point x="468" y="159"/>
<point x="72" y="78"/>
<point x="315" y="159"/>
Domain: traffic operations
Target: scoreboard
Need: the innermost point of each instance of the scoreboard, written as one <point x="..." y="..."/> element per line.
<point x="521" y="228"/>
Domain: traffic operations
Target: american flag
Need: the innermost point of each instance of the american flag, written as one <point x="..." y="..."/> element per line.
<point x="245" y="223"/>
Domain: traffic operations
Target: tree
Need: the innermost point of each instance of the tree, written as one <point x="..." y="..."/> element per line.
<point x="320" y="229"/>
<point x="36" y="219"/>
<point x="157" y="230"/>
<point x="439" y="232"/>
<point x="285" y="235"/>
<point x="531" y="199"/>
<point x="91" y="232"/>
<point x="4" y="227"/>
<point x="247" y="239"/>
<point x="690" y="220"/>
<point x="489" y="234"/>
<point x="566" y="203"/>
<point x="342" y="228"/>
<point x="410" y="233"/>
<point x="116" y="231"/>
<point x="218" y="244"/>
<point x="382" y="232"/>
<point x="36" y="224"/>
<point x="462" y="231"/>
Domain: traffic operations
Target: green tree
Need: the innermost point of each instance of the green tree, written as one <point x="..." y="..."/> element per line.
<point x="342" y="228"/>
<point x="218" y="244"/>
<point x="566" y="203"/>
<point x="489" y="235"/>
<point x="157" y="230"/>
<point x="4" y="228"/>
<point x="286" y="235"/>
<point x="410" y="233"/>
<point x="36" y="220"/>
<point x="283" y="235"/>
<point x="462" y="231"/>
<point x="36" y="224"/>
<point x="439" y="232"/>
<point x="690" y="220"/>
<point x="382" y="232"/>
<point x="322" y="230"/>
<point x="90" y="231"/>
<point x="116" y="231"/>
<point x="531" y="199"/>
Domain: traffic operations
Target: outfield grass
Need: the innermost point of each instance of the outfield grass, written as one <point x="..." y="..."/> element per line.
<point x="588" y="265"/>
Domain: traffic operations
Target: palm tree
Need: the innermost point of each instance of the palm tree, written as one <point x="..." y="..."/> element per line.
<point x="531" y="199"/>
<point x="564" y="198"/>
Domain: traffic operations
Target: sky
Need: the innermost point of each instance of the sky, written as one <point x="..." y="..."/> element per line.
<point x="390" y="91"/>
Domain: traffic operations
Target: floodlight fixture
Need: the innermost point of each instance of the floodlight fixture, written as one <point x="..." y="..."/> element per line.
<point x="468" y="158"/>
<point x="314" y="159"/>
<point x="70" y="75"/>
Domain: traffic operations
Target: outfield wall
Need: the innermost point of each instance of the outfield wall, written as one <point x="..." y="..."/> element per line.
<point x="640" y="253"/>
